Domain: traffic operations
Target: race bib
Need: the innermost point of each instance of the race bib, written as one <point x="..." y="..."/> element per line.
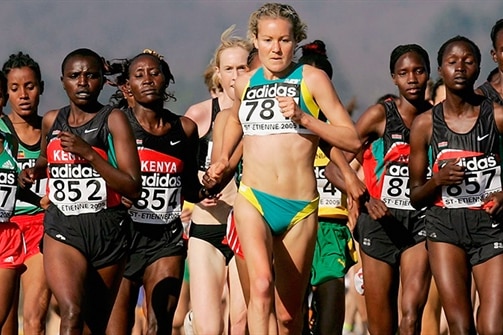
<point x="77" y="196"/>
<point x="157" y="205"/>
<point x="161" y="198"/>
<point x="329" y="195"/>
<point x="260" y="113"/>
<point x="8" y="188"/>
<point x="482" y="177"/>
<point x="395" y="190"/>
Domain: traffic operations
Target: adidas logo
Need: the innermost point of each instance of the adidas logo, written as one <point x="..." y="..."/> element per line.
<point x="7" y="165"/>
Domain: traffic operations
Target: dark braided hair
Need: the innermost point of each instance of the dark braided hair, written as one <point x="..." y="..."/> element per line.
<point x="401" y="50"/>
<point x="115" y="73"/>
<point x="20" y="60"/>
<point x="315" y="53"/>
<point x="169" y="78"/>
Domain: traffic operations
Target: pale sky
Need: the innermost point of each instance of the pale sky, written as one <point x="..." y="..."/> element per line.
<point x="359" y="35"/>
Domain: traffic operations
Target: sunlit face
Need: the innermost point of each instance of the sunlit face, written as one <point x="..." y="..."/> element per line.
<point x="497" y="53"/>
<point x="276" y="44"/>
<point x="146" y="80"/>
<point x="82" y="79"/>
<point x="459" y="68"/>
<point x="232" y="64"/>
<point x="410" y="76"/>
<point x="24" y="91"/>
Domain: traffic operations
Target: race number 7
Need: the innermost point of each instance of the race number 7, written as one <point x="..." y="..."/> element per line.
<point x="266" y="112"/>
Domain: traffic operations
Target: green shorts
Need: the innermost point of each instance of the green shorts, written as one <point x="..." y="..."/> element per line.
<point x="186" y="273"/>
<point x="334" y="253"/>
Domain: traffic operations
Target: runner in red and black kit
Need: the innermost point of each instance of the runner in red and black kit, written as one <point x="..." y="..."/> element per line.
<point x="493" y="87"/>
<point x="167" y="147"/>
<point x="89" y="155"/>
<point x="489" y="91"/>
<point x="463" y="222"/>
<point x="390" y="231"/>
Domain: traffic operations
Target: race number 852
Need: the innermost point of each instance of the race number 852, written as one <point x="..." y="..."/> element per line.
<point x="76" y="190"/>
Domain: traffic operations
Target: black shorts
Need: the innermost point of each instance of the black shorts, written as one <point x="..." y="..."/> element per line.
<point x="215" y="234"/>
<point x="102" y="237"/>
<point x="472" y="230"/>
<point x="388" y="237"/>
<point x="152" y="242"/>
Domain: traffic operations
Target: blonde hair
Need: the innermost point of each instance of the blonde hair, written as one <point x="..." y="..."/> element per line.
<point x="277" y="10"/>
<point x="227" y="40"/>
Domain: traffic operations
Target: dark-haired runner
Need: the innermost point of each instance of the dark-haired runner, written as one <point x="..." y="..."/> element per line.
<point x="89" y="154"/>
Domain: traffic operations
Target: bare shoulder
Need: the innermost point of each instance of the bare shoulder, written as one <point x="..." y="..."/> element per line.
<point x="373" y="117"/>
<point x="117" y="116"/>
<point x="195" y="110"/>
<point x="372" y="122"/>
<point x="188" y="125"/>
<point x="49" y="117"/>
<point x="51" y="114"/>
<point x="117" y="112"/>
<point x="223" y="114"/>
<point x="312" y="74"/>
<point x="376" y="112"/>
<point x="423" y="122"/>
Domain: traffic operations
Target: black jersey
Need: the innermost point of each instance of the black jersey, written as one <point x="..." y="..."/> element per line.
<point x="489" y="91"/>
<point x="167" y="162"/>
<point x="74" y="186"/>
<point x="95" y="132"/>
<point x="479" y="153"/>
<point x="385" y="162"/>
<point x="206" y="142"/>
